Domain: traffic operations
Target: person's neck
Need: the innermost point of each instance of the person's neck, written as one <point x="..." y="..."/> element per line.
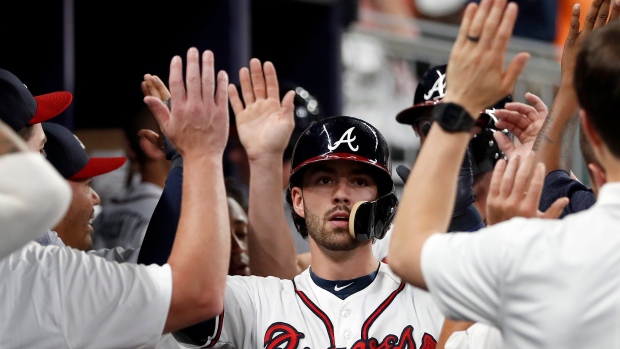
<point x="342" y="265"/>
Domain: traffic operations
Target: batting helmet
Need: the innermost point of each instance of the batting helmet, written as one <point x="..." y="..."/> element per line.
<point x="483" y="148"/>
<point x="349" y="138"/>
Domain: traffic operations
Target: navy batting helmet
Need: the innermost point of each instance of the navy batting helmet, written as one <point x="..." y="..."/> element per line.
<point x="349" y="138"/>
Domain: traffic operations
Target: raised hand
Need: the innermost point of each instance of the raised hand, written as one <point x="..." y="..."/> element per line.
<point x="598" y="16"/>
<point x="264" y="124"/>
<point x="516" y="188"/>
<point x="477" y="57"/>
<point x="198" y="121"/>
<point x="524" y="121"/>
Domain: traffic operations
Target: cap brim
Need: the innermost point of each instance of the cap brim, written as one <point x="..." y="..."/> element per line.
<point x="411" y="114"/>
<point x="50" y="105"/>
<point x="99" y="166"/>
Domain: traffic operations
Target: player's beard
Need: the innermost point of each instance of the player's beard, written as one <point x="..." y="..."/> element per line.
<point x="335" y="239"/>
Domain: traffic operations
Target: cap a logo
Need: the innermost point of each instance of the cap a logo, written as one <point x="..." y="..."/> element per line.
<point x="349" y="140"/>
<point x="439" y="87"/>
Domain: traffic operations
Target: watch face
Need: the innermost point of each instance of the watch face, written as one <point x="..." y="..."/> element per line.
<point x="453" y="118"/>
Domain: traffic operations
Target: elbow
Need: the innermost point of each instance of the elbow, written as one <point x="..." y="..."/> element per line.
<point x="209" y="305"/>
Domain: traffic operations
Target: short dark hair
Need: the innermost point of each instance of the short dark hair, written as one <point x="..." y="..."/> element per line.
<point x="597" y="82"/>
<point x="234" y="192"/>
<point x="142" y="119"/>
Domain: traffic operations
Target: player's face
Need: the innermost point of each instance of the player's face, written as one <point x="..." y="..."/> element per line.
<point x="330" y="189"/>
<point x="37" y="139"/>
<point x="239" y="258"/>
<point x="75" y="228"/>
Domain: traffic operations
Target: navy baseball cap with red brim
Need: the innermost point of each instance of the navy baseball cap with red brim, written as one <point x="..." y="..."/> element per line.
<point x="19" y="108"/>
<point x="68" y="155"/>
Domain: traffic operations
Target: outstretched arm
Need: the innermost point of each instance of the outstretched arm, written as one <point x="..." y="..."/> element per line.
<point x="476" y="70"/>
<point x="265" y="125"/>
<point x="554" y="143"/>
<point x="197" y="126"/>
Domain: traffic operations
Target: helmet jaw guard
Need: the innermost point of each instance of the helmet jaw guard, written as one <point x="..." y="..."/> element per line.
<point x="349" y="138"/>
<point x="372" y="219"/>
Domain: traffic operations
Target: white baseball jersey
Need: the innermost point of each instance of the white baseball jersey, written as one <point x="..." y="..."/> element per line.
<point x="274" y="313"/>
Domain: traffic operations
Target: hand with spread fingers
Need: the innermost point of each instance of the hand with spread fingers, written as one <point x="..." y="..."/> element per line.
<point x="478" y="55"/>
<point x="523" y="120"/>
<point x="263" y="122"/>
<point x="515" y="190"/>
<point x="198" y="120"/>
<point x="598" y="16"/>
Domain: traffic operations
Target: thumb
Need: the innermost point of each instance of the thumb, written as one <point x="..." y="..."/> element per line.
<point x="150" y="136"/>
<point x="556" y="209"/>
<point x="159" y="110"/>
<point x="504" y="143"/>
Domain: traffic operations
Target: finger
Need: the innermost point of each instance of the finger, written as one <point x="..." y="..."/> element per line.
<point x="475" y="29"/>
<point x="207" y="78"/>
<point x="151" y="90"/>
<point x="145" y="88"/>
<point x="161" y="88"/>
<point x="520" y="108"/>
<point x="522" y="183"/>
<point x="159" y="110"/>
<point x="504" y="30"/>
<point x="221" y="92"/>
<point x="516" y="66"/>
<point x="535" y="185"/>
<point x="603" y="13"/>
<point x="504" y="143"/>
<point x="258" y="79"/>
<point x="574" y="25"/>
<point x="492" y="22"/>
<point x="615" y="11"/>
<point x="496" y="178"/>
<point x="271" y="79"/>
<point x="151" y="136"/>
<point x="246" y="86"/>
<point x="175" y="80"/>
<point x="288" y="103"/>
<point x="235" y="100"/>
<point x="555" y="210"/>
<point x="192" y="75"/>
<point x="509" y="176"/>
<point x="468" y="16"/>
<point x="591" y="16"/>
<point x="514" y="118"/>
<point x="538" y="104"/>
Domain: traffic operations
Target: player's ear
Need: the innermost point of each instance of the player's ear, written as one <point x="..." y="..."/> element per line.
<point x="297" y="197"/>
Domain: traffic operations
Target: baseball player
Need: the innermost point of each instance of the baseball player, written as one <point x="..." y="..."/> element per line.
<point x="347" y="299"/>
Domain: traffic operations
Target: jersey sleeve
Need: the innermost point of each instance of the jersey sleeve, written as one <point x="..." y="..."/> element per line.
<point x="33" y="198"/>
<point x="559" y="184"/>
<point x="69" y="299"/>
<point x="463" y="271"/>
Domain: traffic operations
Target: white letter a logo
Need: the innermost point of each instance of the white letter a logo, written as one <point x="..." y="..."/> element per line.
<point x="347" y="140"/>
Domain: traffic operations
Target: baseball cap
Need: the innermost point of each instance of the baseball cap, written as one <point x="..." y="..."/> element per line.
<point x="68" y="155"/>
<point x="19" y="108"/>
<point x="430" y="91"/>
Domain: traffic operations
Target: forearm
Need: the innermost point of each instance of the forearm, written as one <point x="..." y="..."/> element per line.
<point x="202" y="241"/>
<point x="426" y="209"/>
<point x="270" y="243"/>
<point x="554" y="143"/>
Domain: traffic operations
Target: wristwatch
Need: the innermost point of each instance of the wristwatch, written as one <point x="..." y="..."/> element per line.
<point x="452" y="117"/>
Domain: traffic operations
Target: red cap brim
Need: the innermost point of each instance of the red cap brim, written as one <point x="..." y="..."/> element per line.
<point x="50" y="105"/>
<point x="99" y="166"/>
